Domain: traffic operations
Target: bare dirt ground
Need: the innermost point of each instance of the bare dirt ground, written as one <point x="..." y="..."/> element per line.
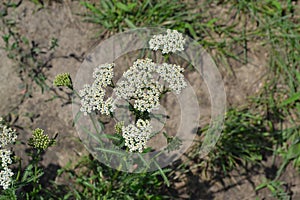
<point x="76" y="38"/>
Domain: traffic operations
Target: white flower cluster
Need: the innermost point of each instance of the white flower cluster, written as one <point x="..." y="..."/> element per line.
<point x="5" y="157"/>
<point x="103" y="74"/>
<point x="5" y="177"/>
<point x="171" y="42"/>
<point x="92" y="96"/>
<point x="172" y="74"/>
<point x="140" y="85"/>
<point x="7" y="136"/>
<point x="136" y="136"/>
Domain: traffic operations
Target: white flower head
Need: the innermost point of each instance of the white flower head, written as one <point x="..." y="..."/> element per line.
<point x="172" y="74"/>
<point x="103" y="74"/>
<point x="7" y="135"/>
<point x="5" y="177"/>
<point x="140" y="85"/>
<point x="136" y="136"/>
<point x="5" y="157"/>
<point x="92" y="96"/>
<point x="148" y="100"/>
<point x="171" y="42"/>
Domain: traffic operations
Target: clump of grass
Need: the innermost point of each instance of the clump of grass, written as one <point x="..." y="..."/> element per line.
<point x="90" y="179"/>
<point x="116" y="16"/>
<point x="282" y="92"/>
<point x="277" y="189"/>
<point x="244" y="140"/>
<point x="278" y="104"/>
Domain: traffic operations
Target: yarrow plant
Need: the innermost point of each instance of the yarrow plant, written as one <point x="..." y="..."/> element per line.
<point x="141" y="86"/>
<point x="7" y="136"/>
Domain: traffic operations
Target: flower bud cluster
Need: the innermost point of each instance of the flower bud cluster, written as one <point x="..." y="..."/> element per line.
<point x="40" y="140"/>
<point x="63" y="79"/>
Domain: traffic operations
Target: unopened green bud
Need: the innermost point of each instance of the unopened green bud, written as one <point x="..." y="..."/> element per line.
<point x="40" y="140"/>
<point x="63" y="79"/>
<point x="118" y="127"/>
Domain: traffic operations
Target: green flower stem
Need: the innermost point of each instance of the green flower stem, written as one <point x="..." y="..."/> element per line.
<point x="19" y="169"/>
<point x="166" y="57"/>
<point x="138" y="114"/>
<point x="36" y="158"/>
